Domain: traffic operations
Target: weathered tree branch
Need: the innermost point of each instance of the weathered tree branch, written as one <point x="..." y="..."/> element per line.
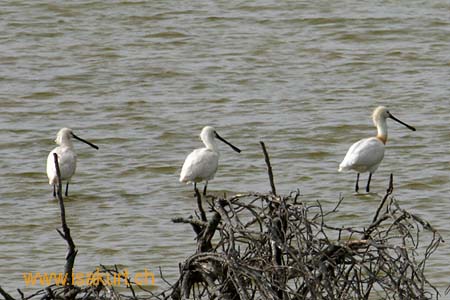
<point x="71" y="249"/>
<point x="5" y="294"/>
<point x="269" y="168"/>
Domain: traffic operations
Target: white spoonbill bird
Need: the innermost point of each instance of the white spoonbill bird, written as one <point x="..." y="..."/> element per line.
<point x="367" y="154"/>
<point x="67" y="159"/>
<point x="201" y="164"/>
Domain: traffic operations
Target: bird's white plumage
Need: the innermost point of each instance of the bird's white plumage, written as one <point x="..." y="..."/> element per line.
<point x="364" y="155"/>
<point x="367" y="154"/>
<point x="201" y="164"/>
<point x="67" y="159"/>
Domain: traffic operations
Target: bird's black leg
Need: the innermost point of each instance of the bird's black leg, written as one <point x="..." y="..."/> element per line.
<point x="67" y="189"/>
<point x="204" y="189"/>
<point x="368" y="182"/>
<point x="54" y="191"/>
<point x="357" y="181"/>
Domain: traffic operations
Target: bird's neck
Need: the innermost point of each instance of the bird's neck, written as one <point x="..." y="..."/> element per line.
<point x="211" y="145"/>
<point x="67" y="144"/>
<point x="382" y="132"/>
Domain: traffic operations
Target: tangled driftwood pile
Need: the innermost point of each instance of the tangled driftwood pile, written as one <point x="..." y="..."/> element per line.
<point x="279" y="247"/>
<point x="268" y="246"/>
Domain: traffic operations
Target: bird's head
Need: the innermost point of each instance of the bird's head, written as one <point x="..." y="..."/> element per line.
<point x="63" y="136"/>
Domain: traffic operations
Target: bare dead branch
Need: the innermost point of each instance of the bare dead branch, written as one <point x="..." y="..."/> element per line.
<point x="5" y="294"/>
<point x="269" y="168"/>
<point x="71" y="252"/>
<point x="199" y="204"/>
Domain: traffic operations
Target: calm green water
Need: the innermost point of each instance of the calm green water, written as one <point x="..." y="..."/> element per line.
<point x="141" y="79"/>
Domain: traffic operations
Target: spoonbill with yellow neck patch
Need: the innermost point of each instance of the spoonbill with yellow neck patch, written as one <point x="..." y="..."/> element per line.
<point x="367" y="154"/>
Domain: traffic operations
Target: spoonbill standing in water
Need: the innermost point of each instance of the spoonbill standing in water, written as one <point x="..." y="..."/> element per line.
<point x="67" y="159"/>
<point x="367" y="154"/>
<point x="201" y="164"/>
